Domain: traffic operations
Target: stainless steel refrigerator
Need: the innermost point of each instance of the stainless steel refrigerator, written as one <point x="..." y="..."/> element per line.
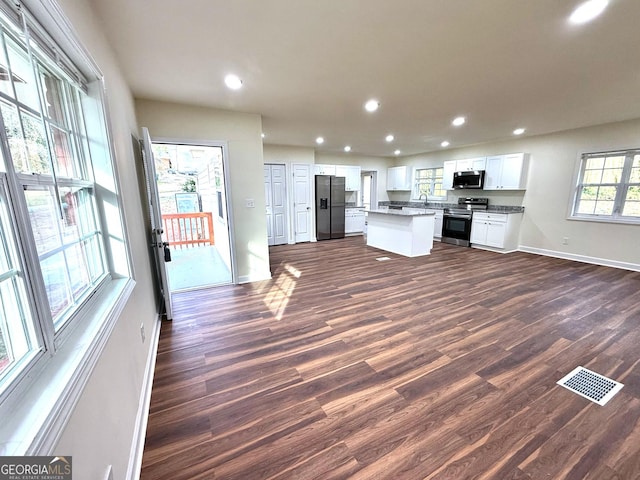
<point x="329" y="207"/>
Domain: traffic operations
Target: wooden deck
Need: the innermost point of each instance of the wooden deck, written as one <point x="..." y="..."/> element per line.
<point x="436" y="367"/>
<point x="188" y="229"/>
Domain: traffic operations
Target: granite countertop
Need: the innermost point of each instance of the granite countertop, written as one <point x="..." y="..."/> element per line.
<point x="501" y="209"/>
<point x="442" y="205"/>
<point x="403" y="213"/>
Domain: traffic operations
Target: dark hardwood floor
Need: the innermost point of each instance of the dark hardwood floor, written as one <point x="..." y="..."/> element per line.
<point x="438" y="367"/>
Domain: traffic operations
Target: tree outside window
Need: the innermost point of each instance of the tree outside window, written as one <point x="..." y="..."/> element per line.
<point x="428" y="184"/>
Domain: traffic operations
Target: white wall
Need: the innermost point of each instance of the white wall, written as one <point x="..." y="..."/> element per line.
<point x="366" y="163"/>
<point x="288" y="155"/>
<point x="101" y="429"/>
<point x="242" y="134"/>
<point x="552" y="168"/>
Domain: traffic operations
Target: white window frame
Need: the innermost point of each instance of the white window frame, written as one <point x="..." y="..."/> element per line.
<point x="38" y="402"/>
<point x="621" y="189"/>
<point x="415" y="193"/>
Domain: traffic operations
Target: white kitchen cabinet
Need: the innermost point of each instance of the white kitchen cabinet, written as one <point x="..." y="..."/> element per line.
<point x="495" y="230"/>
<point x="351" y="175"/>
<point x="437" y="219"/>
<point x="437" y="224"/>
<point x="506" y="172"/>
<point x="400" y="178"/>
<point x="320" y="169"/>
<point x="463" y="165"/>
<point x="448" y="169"/>
<point x="471" y="164"/>
<point x="353" y="220"/>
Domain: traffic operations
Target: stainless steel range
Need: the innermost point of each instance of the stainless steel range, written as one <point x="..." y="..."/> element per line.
<point x="456" y="221"/>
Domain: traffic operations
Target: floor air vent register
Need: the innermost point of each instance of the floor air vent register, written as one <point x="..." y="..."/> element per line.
<point x="590" y="385"/>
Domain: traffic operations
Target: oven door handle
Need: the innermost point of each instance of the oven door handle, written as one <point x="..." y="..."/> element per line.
<point x="447" y="215"/>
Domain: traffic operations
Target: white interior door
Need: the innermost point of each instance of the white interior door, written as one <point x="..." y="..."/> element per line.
<point x="275" y="187"/>
<point x="302" y="202"/>
<point x="268" y="195"/>
<point x="279" y="203"/>
<point x="159" y="246"/>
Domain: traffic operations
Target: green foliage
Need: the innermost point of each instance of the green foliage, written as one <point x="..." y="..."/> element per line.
<point x="33" y="143"/>
<point x="3" y="349"/>
<point x="189" y="186"/>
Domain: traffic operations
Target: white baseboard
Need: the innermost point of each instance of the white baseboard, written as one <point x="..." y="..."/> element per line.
<point x="140" y="431"/>
<point x="492" y="249"/>
<point x="581" y="258"/>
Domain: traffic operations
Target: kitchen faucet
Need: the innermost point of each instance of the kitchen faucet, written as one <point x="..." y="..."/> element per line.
<point x="425" y="199"/>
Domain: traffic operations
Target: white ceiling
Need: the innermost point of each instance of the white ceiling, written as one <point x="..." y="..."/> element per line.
<point x="308" y="66"/>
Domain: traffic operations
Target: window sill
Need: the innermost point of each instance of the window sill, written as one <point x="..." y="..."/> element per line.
<point x="430" y="199"/>
<point x="37" y="415"/>
<point x="620" y="221"/>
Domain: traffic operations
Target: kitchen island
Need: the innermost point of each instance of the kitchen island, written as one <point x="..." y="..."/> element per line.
<point x="406" y="232"/>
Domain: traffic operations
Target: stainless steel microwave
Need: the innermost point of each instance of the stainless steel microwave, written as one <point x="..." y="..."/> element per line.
<point x="468" y="179"/>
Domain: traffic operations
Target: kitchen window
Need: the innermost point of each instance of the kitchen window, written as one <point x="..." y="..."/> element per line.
<point x="63" y="254"/>
<point x="608" y="187"/>
<point x="428" y="184"/>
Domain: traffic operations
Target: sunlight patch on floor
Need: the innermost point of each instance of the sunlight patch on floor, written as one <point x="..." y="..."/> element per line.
<point x="277" y="298"/>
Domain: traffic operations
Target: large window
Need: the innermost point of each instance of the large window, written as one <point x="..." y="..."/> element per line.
<point x="609" y="187"/>
<point x="58" y="203"/>
<point x="428" y="184"/>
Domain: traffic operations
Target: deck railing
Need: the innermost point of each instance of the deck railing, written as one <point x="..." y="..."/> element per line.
<point x="188" y="229"/>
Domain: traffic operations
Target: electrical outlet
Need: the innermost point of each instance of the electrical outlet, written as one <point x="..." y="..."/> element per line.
<point x="250" y="203"/>
<point x="565" y="240"/>
<point x="142" y="335"/>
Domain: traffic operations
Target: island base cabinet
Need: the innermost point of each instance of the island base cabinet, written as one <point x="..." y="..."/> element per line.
<point x="495" y="231"/>
<point x="411" y="236"/>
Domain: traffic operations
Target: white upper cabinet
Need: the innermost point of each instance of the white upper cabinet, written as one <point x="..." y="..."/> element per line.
<point x="470" y="164"/>
<point x="506" y="172"/>
<point x="449" y="167"/>
<point x="400" y="178"/>
<point x="464" y="165"/>
<point x="351" y="175"/>
<point x="319" y="169"/>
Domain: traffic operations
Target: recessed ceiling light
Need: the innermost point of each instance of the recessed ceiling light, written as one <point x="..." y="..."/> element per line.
<point x="263" y="135"/>
<point x="588" y="10"/>
<point x="458" y="121"/>
<point x="518" y="131"/>
<point x="397" y="152"/>
<point x="371" y="105"/>
<point x="347" y="148"/>
<point x="233" y="81"/>
<point x="445" y="144"/>
<point x="389" y="138"/>
<point x="319" y="140"/>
